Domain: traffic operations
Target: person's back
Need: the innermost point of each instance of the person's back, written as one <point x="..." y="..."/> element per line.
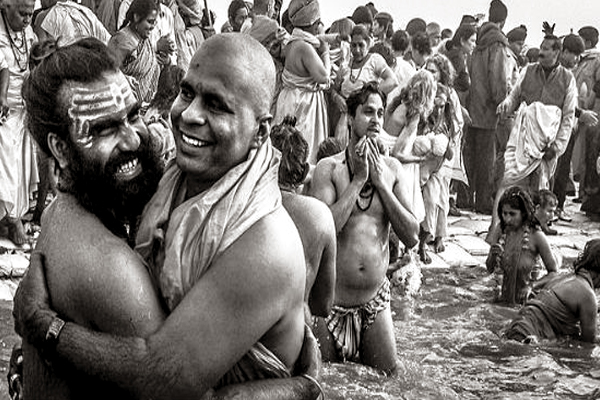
<point x="317" y="231"/>
<point x="488" y="75"/>
<point x="68" y="21"/>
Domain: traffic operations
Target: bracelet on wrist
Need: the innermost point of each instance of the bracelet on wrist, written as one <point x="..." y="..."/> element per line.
<point x="315" y="382"/>
<point x="51" y="340"/>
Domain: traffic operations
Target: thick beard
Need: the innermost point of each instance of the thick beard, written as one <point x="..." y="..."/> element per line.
<point x="116" y="203"/>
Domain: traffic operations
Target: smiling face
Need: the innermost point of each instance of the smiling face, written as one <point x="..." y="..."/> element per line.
<point x="216" y="114"/>
<point x="111" y="159"/>
<point x="105" y="123"/>
<point x="144" y="25"/>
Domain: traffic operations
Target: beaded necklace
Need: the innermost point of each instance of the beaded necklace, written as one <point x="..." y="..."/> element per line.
<point x="20" y="52"/>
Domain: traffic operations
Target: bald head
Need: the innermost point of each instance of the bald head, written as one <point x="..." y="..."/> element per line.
<point x="243" y="62"/>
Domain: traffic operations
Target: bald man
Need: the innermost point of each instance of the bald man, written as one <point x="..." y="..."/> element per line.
<point x="226" y="257"/>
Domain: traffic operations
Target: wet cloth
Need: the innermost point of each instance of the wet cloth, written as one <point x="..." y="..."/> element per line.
<point x="180" y="241"/>
<point x="347" y="324"/>
<point x="304" y="98"/>
<point x="68" y="22"/>
<point x="545" y="317"/>
<point x="18" y="166"/>
<point x="140" y="63"/>
<point x="536" y="127"/>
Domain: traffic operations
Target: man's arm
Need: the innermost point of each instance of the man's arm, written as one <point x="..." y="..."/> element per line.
<point x="510" y="103"/>
<point x="321" y="296"/>
<point x="499" y="77"/>
<point x="568" y="119"/>
<point x="176" y="363"/>
<point x="322" y="188"/>
<point x="403" y="222"/>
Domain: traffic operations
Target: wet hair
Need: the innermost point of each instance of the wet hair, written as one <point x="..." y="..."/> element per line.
<point x="589" y="258"/>
<point x="84" y="61"/>
<point x="329" y="147"/>
<point x="168" y="88"/>
<point x="518" y="199"/>
<point x="293" y="167"/>
<point x="40" y="50"/>
<point x="464" y="32"/>
<point x="543" y="198"/>
<point x="360" y="30"/>
<point x="418" y="95"/>
<point x="234" y="6"/>
<point x="420" y="43"/>
<point x="384" y="51"/>
<point x="141" y="8"/>
<point x="400" y="41"/>
<point x="443" y="64"/>
<point x="360" y="96"/>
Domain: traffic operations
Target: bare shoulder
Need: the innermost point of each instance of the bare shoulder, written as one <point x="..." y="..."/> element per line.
<point x="329" y="164"/>
<point x="94" y="277"/>
<point x="309" y="211"/>
<point x="271" y="247"/>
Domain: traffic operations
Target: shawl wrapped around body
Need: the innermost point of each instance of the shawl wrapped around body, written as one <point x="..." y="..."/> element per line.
<point x="180" y="241"/>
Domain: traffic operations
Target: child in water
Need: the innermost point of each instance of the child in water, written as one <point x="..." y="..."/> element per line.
<point x="545" y="203"/>
<point x="517" y="249"/>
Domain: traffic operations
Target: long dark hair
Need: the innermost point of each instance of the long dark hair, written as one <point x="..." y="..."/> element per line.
<point x="83" y="61"/>
<point x="519" y="199"/>
<point x="141" y="8"/>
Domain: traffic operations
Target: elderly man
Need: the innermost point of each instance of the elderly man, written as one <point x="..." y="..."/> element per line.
<point x="18" y="170"/>
<point x="364" y="193"/>
<point x="543" y="124"/>
<point x="225" y="255"/>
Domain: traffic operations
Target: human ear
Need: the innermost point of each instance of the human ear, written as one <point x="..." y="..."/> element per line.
<point x="59" y="149"/>
<point x="264" y="130"/>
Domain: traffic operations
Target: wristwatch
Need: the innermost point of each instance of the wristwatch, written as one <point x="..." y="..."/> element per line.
<point x="52" y="334"/>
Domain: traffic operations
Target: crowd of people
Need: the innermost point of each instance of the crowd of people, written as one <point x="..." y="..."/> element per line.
<point x="211" y="204"/>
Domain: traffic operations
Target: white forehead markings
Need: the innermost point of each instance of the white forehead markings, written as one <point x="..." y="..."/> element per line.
<point x="90" y="103"/>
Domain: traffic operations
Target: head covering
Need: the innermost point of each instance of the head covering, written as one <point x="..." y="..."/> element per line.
<point x="384" y="16"/>
<point x="263" y="27"/>
<point x="362" y="15"/>
<point x="468" y="20"/>
<point x="574" y="44"/>
<point x="589" y="33"/>
<point x="498" y="11"/>
<point x="415" y="25"/>
<point x="304" y="12"/>
<point x="518" y="33"/>
<point x="193" y="10"/>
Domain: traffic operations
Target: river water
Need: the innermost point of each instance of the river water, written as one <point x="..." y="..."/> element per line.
<point x="449" y="344"/>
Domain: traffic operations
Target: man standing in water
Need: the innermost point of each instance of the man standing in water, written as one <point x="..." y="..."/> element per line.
<point x="362" y="189"/>
<point x="221" y="125"/>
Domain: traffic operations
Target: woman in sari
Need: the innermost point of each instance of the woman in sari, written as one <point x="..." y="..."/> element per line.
<point x="133" y="49"/>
